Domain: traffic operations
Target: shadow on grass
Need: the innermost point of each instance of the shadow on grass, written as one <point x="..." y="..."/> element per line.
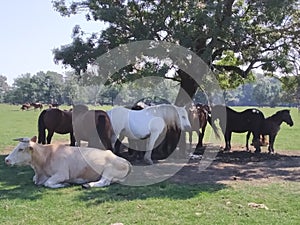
<point x="242" y="165"/>
<point x="164" y="190"/>
<point x="16" y="182"/>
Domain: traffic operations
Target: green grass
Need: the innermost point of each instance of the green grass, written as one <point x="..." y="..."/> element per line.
<point x="21" y="202"/>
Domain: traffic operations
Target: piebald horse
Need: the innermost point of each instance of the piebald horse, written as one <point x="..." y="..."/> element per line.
<point x="150" y="123"/>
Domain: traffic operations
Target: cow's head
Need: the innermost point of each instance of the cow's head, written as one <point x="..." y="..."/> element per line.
<point x="21" y="155"/>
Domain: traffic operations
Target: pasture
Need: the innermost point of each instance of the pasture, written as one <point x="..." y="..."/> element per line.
<point x="170" y="202"/>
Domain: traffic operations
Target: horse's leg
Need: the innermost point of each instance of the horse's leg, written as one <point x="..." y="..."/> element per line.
<point x="271" y="143"/>
<point x="256" y="142"/>
<point x="190" y="138"/>
<point x="49" y="136"/>
<point x="227" y="137"/>
<point x="201" y="136"/>
<point x="118" y="144"/>
<point x="156" y="129"/>
<point x="72" y="139"/>
<point x="42" y="136"/>
<point x="247" y="140"/>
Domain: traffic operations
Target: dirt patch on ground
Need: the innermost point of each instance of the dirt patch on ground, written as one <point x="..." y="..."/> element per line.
<point x="236" y="166"/>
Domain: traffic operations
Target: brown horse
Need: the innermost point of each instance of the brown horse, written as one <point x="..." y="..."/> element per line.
<point x="55" y="120"/>
<point x="271" y="127"/>
<point x="25" y="106"/>
<point x="36" y="105"/>
<point x="93" y="126"/>
<point x="199" y="115"/>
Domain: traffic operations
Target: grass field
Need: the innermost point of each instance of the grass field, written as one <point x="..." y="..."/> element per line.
<point x="21" y="202"/>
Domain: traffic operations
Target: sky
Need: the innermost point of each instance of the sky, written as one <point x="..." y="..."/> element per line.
<point x="30" y="30"/>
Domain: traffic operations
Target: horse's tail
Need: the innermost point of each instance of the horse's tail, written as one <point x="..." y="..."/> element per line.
<point x="213" y="125"/>
<point x="104" y="130"/>
<point x="42" y="128"/>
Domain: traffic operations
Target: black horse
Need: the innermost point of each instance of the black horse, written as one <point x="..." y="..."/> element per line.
<point x="271" y="127"/>
<point x="249" y="120"/>
<point x="55" y="120"/>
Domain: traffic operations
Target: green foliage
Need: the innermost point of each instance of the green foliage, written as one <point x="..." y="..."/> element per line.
<point x="233" y="37"/>
<point x="43" y="87"/>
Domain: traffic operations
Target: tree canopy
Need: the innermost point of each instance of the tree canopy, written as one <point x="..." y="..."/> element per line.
<point x="232" y="37"/>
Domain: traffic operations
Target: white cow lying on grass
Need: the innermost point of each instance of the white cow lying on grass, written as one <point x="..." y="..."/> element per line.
<point x="57" y="166"/>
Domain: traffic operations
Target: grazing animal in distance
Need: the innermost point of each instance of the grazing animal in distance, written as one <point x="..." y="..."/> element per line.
<point x="93" y="126"/>
<point x="271" y="127"/>
<point x="57" y="166"/>
<point x="25" y="106"/>
<point x="53" y="105"/>
<point x="37" y="105"/>
<point x="54" y="120"/>
<point x="238" y="122"/>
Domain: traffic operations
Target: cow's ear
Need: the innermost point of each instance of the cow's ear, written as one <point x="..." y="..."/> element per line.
<point x="33" y="139"/>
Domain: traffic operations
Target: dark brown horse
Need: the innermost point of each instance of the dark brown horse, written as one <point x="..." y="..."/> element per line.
<point x="55" y="120"/>
<point x="37" y="105"/>
<point x="271" y="127"/>
<point x="25" y="106"/>
<point x="239" y="122"/>
<point x="199" y="115"/>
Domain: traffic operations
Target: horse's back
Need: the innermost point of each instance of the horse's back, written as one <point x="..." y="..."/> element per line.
<point x="58" y="121"/>
<point x="247" y="120"/>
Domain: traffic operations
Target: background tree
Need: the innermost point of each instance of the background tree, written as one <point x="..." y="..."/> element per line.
<point x="232" y="37"/>
<point x="4" y="87"/>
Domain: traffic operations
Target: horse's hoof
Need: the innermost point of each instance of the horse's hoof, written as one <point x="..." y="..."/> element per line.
<point x="148" y="161"/>
<point x="86" y="186"/>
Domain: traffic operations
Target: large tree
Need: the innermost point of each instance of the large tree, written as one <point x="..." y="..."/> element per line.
<point x="232" y="37"/>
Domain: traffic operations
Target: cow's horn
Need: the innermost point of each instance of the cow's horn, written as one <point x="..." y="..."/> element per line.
<point x="21" y="139"/>
<point x="17" y="139"/>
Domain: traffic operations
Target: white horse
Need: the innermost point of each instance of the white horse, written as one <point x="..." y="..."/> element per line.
<point x="150" y="123"/>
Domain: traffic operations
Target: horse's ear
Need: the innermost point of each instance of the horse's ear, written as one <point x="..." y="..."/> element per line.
<point x="33" y="139"/>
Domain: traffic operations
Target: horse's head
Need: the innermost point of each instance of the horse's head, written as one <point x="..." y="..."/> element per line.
<point x="286" y="117"/>
<point x="185" y="124"/>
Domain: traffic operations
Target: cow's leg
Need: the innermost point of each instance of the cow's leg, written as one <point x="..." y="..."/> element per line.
<point x="56" y="181"/>
<point x="103" y="182"/>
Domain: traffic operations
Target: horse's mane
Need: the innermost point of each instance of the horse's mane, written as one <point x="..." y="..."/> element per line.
<point x="278" y="113"/>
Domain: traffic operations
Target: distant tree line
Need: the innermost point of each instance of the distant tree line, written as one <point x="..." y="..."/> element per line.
<point x="51" y="87"/>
